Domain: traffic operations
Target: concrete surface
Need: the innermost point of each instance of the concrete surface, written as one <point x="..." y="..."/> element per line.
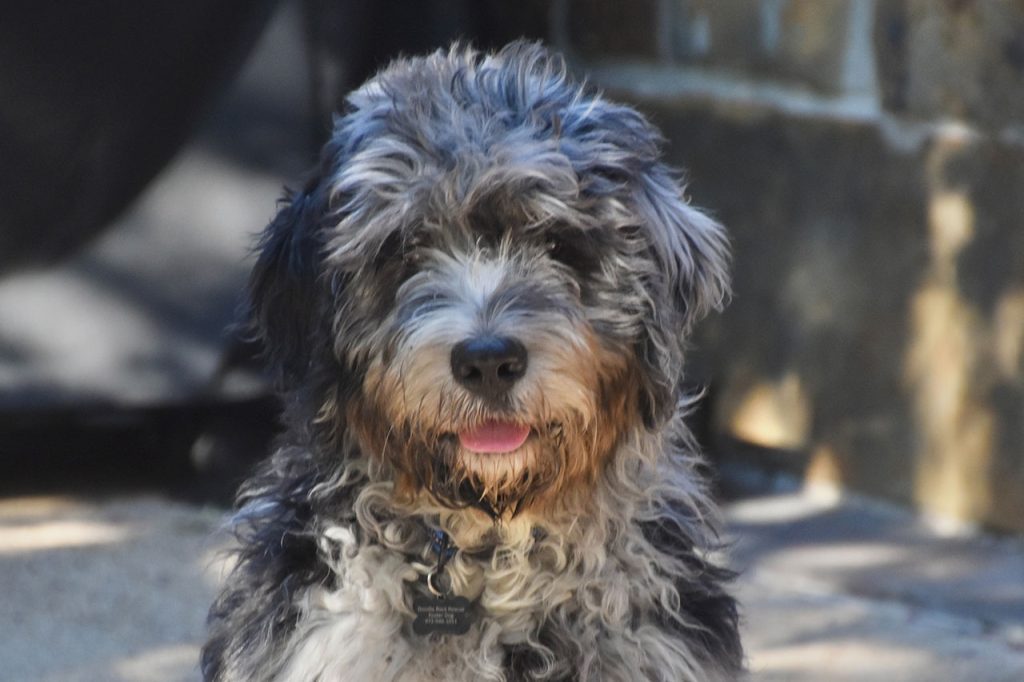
<point x="833" y="590"/>
<point x="98" y="591"/>
<point x="850" y="589"/>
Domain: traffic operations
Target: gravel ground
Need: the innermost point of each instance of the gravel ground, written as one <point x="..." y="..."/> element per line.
<point x="117" y="589"/>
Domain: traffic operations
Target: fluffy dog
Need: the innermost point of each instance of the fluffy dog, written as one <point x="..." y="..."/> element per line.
<point x="476" y="315"/>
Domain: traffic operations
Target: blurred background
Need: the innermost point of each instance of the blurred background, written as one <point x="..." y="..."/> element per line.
<point x="864" y="403"/>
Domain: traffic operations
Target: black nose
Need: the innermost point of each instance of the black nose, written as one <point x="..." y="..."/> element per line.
<point x="489" y="365"/>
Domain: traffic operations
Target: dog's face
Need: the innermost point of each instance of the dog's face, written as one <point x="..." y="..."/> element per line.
<point x="489" y="282"/>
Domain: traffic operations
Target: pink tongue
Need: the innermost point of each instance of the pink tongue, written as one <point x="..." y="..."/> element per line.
<point x="494" y="436"/>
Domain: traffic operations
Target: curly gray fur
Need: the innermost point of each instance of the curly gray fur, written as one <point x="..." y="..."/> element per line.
<point x="464" y="192"/>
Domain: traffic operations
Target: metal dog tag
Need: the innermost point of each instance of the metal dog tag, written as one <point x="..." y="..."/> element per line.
<point x="445" y="615"/>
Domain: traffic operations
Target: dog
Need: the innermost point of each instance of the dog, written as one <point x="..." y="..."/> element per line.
<point x="476" y="314"/>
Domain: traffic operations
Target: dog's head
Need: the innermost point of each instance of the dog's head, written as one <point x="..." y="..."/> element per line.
<point x="489" y="282"/>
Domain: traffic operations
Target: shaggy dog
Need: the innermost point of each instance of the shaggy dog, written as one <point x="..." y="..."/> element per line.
<point x="476" y="315"/>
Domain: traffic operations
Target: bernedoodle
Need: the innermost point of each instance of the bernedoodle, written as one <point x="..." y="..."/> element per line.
<point x="476" y="314"/>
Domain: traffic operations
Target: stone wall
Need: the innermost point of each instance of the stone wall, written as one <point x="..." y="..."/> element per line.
<point x="868" y="158"/>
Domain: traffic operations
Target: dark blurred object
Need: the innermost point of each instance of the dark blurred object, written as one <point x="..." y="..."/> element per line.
<point x="114" y="356"/>
<point x="96" y="98"/>
<point x="114" y="364"/>
<point x="198" y="452"/>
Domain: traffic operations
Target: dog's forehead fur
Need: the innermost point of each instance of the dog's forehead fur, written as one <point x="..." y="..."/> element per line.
<point x="463" y="142"/>
<point x="464" y="139"/>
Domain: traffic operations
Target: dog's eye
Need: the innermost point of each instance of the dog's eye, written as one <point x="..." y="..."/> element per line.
<point x="397" y="249"/>
<point x="397" y="259"/>
<point x="388" y="251"/>
<point x="574" y="250"/>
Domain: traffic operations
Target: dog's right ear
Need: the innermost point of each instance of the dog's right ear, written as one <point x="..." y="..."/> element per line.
<point x="283" y="289"/>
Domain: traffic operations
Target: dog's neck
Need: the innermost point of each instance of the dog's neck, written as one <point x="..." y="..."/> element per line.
<point x="470" y="529"/>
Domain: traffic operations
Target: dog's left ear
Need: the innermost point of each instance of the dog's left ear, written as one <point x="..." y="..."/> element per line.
<point x="690" y="248"/>
<point x="689" y="278"/>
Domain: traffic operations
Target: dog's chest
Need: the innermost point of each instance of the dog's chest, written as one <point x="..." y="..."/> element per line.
<point x="363" y="627"/>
